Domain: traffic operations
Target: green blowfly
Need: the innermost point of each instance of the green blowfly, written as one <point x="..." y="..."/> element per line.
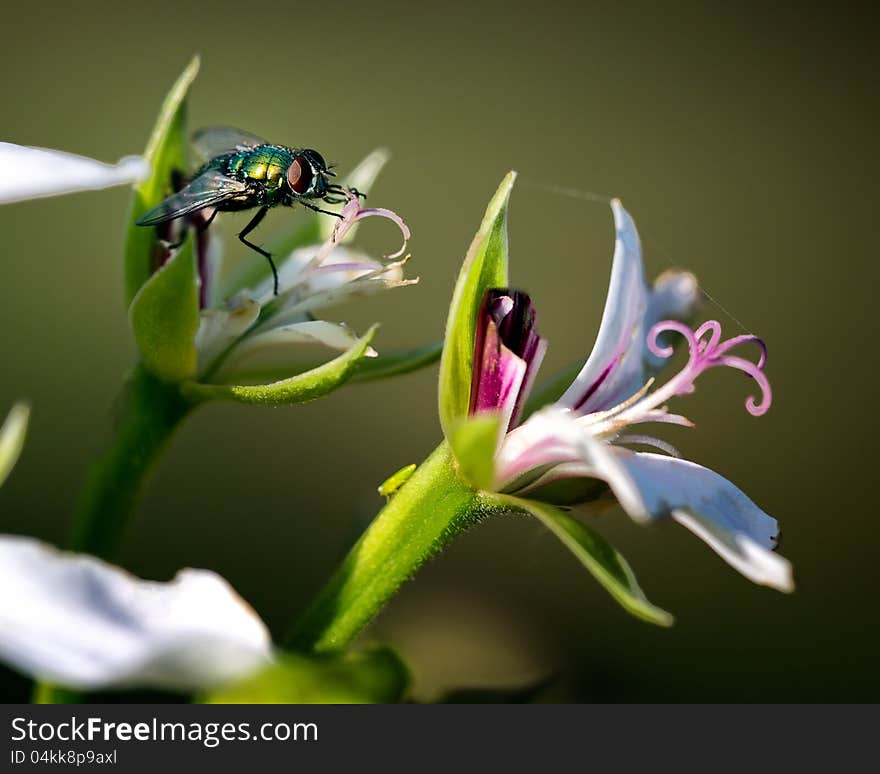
<point x="243" y="171"/>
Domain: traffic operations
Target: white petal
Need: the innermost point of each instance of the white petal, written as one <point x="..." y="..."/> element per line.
<point x="28" y="173"/>
<point x="80" y="622"/>
<point x="332" y="283"/>
<point x="219" y="328"/>
<point x="620" y="362"/>
<point x="551" y="446"/>
<point x="286" y="351"/>
<point x="12" y="438"/>
<point x="548" y="442"/>
<point x="296" y="271"/>
<point x="707" y="504"/>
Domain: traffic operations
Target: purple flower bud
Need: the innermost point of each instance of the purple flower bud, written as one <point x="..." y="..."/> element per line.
<point x="507" y="354"/>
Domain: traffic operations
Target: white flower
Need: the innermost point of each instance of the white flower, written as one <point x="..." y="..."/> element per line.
<point x="584" y="436"/>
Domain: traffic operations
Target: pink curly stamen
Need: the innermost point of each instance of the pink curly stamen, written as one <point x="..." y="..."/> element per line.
<point x="352" y="212"/>
<point x="705" y="353"/>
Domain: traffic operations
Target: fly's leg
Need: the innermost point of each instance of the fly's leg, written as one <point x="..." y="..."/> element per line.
<point x="304" y="203"/>
<point x="255" y="221"/>
<point x="338" y="190"/>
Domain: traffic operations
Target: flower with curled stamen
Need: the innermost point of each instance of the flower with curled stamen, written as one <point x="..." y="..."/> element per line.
<point x="499" y="456"/>
<point x="256" y="335"/>
<point x="584" y="436"/>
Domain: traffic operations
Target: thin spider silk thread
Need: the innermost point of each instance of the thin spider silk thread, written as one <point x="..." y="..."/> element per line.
<point x="598" y="198"/>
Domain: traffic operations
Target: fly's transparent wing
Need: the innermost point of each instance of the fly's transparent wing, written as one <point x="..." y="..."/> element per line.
<point x="207" y="190"/>
<point x="215" y="140"/>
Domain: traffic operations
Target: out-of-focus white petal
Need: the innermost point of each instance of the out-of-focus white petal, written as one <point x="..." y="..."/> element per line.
<point x="80" y="622"/>
<point x="29" y="173"/>
<point x="620" y="361"/>
<point x="219" y="328"/>
<point x="286" y="351"/>
<point x="12" y="438"/>
<point x="674" y="297"/>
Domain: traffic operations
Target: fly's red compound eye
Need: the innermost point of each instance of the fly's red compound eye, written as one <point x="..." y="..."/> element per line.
<point x="299" y="175"/>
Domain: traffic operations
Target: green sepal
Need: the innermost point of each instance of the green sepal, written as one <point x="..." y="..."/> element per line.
<point x="603" y="561"/>
<point x="166" y="152"/>
<point x="12" y="435"/>
<point x="485" y="267"/>
<point x="304" y="387"/>
<point x="474" y="441"/>
<point x="388" y="364"/>
<point x="376" y="676"/>
<point x="164" y="317"/>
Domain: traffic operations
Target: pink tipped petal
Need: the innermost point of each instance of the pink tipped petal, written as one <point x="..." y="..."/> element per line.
<point x="620" y="361"/>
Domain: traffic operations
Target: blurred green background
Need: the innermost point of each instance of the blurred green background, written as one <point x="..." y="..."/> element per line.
<point x="742" y="138"/>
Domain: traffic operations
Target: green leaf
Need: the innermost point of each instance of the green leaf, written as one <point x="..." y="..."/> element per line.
<point x="387" y="364"/>
<point x="598" y="556"/>
<point x="297" y="389"/>
<point x="165" y="317"/>
<point x="485" y="266"/>
<point x="314" y="230"/>
<point x="12" y="435"/>
<point x="474" y="441"/>
<point x="166" y="152"/>
<point x="372" y="677"/>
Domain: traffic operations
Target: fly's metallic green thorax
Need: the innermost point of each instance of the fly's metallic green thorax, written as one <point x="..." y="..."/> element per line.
<point x="243" y="172"/>
<point x="262" y="169"/>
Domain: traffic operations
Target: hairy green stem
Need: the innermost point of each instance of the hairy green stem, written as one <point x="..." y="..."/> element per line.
<point x="150" y="410"/>
<point x="430" y="509"/>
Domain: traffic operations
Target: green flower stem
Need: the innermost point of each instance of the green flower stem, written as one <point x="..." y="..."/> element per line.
<point x="150" y="412"/>
<point x="430" y="509"/>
